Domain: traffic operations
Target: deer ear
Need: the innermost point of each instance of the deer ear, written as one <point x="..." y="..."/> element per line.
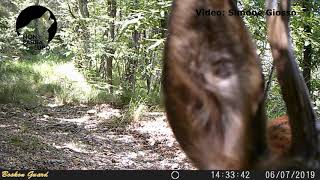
<point x="213" y="86"/>
<point x="295" y="93"/>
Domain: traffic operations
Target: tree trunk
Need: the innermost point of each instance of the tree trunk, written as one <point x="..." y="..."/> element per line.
<point x="307" y="50"/>
<point x="133" y="63"/>
<point x="83" y="8"/>
<point x="113" y="13"/>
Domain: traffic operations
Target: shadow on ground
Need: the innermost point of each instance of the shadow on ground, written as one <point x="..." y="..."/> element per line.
<point x="85" y="137"/>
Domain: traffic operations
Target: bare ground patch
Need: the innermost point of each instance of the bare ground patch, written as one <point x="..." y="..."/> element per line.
<point x="85" y="137"/>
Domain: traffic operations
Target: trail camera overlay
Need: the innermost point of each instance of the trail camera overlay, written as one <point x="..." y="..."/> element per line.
<point x="36" y="26"/>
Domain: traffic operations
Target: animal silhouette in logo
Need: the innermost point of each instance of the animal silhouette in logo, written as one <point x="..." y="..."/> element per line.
<point x="36" y="25"/>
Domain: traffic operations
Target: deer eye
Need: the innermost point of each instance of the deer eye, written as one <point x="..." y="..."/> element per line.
<point x="223" y="68"/>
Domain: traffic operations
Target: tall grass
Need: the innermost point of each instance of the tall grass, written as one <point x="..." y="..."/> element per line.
<point x="37" y="79"/>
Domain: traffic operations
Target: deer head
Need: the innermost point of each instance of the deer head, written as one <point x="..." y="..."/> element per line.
<point x="213" y="86"/>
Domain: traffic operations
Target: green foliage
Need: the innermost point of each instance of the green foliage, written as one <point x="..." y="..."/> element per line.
<point x="16" y="82"/>
<point x="144" y="17"/>
<point x="28" y="142"/>
<point x="30" y="81"/>
<point x="275" y="105"/>
<point x="300" y="37"/>
<point x="16" y="141"/>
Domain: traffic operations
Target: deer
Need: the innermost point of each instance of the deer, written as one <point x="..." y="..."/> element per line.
<point x="213" y="89"/>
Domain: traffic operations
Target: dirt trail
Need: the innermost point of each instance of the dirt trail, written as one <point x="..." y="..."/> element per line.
<point x="85" y="137"/>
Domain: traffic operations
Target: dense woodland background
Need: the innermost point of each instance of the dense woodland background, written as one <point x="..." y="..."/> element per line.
<point x="110" y="52"/>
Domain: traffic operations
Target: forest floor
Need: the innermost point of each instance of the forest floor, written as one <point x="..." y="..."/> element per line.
<point x="85" y="137"/>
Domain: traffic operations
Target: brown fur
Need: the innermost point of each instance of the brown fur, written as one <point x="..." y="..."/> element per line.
<point x="279" y="136"/>
<point x="213" y="88"/>
<point x="208" y="108"/>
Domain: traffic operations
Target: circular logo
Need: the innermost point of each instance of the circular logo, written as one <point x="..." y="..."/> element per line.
<point x="37" y="26"/>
